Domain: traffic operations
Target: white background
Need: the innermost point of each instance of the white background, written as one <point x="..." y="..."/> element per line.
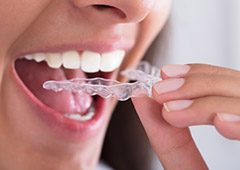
<point x="208" y="31"/>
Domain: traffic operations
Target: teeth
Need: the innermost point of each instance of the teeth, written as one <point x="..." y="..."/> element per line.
<point x="29" y="57"/>
<point x="78" y="117"/>
<point x="39" y="57"/>
<point x="112" y="60"/>
<point x="81" y="118"/>
<point x="54" y="60"/>
<point x="88" y="61"/>
<point x="71" y="60"/>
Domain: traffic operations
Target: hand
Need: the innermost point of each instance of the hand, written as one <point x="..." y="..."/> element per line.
<point x="174" y="147"/>
<point x="192" y="95"/>
<point x="201" y="94"/>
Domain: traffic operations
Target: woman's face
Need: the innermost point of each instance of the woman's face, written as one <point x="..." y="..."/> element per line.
<point x="62" y="39"/>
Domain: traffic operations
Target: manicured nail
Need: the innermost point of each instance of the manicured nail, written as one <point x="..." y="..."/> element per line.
<point x="229" y="117"/>
<point x="177" y="105"/>
<point x="168" y="85"/>
<point x="175" y="70"/>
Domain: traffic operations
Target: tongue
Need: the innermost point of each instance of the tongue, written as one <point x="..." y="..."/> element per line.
<point x="34" y="74"/>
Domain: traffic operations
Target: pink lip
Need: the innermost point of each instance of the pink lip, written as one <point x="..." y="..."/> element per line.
<point x="63" y="126"/>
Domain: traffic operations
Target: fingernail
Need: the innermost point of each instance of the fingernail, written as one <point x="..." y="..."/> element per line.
<point x="177" y="105"/>
<point x="168" y="85"/>
<point x="175" y="70"/>
<point x="229" y="117"/>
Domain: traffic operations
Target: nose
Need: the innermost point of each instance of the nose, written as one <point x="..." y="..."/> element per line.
<point x="121" y="11"/>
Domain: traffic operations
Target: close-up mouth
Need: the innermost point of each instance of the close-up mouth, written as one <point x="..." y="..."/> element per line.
<point x="76" y="76"/>
<point x="36" y="68"/>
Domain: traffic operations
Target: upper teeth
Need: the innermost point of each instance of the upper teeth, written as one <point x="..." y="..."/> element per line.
<point x="88" y="61"/>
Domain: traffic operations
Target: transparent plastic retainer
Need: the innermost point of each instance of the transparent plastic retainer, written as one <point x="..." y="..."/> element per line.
<point x="145" y="76"/>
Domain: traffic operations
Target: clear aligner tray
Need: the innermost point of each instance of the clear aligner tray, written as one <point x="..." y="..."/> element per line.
<point x="144" y="76"/>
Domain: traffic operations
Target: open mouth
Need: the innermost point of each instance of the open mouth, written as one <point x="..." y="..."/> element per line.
<point x="35" y="69"/>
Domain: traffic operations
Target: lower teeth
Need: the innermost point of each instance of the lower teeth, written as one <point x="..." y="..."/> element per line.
<point x="82" y="118"/>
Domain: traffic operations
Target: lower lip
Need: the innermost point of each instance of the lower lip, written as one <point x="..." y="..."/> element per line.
<point x="62" y="126"/>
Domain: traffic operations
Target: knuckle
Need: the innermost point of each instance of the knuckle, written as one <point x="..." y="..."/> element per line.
<point x="214" y="70"/>
<point x="202" y="82"/>
<point x="205" y="68"/>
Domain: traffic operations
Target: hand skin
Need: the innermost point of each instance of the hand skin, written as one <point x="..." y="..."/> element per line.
<point x="214" y="95"/>
<point x="199" y="94"/>
<point x="174" y="147"/>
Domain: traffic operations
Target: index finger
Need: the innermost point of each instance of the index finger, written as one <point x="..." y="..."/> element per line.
<point x="177" y="70"/>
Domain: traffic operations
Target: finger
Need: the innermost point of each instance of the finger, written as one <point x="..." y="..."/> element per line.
<point x="195" y="86"/>
<point x="174" y="71"/>
<point x="228" y="125"/>
<point x="201" y="111"/>
<point x="168" y="142"/>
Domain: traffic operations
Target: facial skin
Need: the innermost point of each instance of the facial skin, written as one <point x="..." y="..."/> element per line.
<point x="27" y="26"/>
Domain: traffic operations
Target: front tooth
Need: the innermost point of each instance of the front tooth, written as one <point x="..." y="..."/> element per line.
<point x="71" y="60"/>
<point x="90" y="61"/>
<point x="111" y="60"/>
<point x="29" y="57"/>
<point x="54" y="60"/>
<point x="39" y="57"/>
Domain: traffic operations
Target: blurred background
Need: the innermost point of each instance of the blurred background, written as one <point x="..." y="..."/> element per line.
<point x="207" y="31"/>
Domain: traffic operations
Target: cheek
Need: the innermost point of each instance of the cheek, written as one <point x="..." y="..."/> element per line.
<point x="148" y="29"/>
<point x="15" y="17"/>
<point x="155" y="21"/>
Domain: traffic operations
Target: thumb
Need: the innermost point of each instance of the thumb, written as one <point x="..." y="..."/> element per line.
<point x="174" y="146"/>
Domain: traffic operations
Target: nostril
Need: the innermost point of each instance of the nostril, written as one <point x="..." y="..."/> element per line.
<point x="114" y="10"/>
